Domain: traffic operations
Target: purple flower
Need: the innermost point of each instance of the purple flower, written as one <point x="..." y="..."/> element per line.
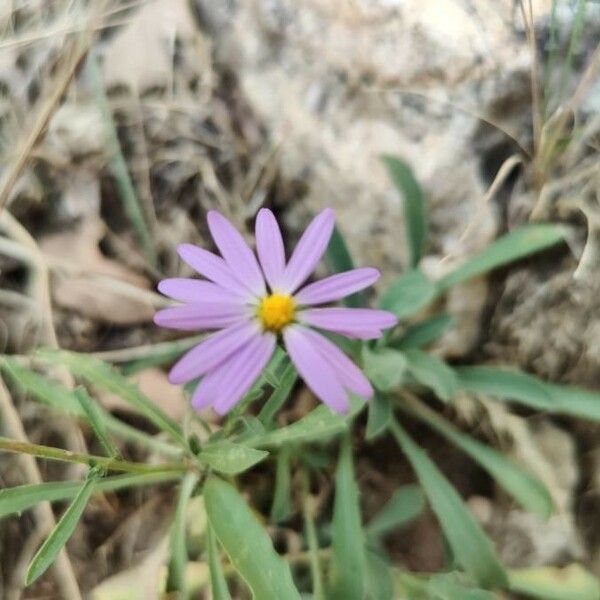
<point x="253" y="302"/>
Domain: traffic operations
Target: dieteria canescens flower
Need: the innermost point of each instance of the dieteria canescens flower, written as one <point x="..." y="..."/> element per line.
<point x="253" y="302"/>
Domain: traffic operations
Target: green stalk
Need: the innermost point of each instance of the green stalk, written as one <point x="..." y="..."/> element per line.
<point x="110" y="464"/>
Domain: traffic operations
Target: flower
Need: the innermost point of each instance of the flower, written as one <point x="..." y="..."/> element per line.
<point x="254" y="302"/>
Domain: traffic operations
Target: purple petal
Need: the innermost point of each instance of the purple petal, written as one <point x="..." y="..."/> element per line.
<point x="316" y="372"/>
<point x="242" y="370"/>
<point x="211" y="352"/>
<point x="212" y="267"/>
<point x="337" y="286"/>
<point x="269" y="246"/>
<point x="350" y="376"/>
<point x="360" y="334"/>
<point x="196" y="290"/>
<point x="348" y="321"/>
<point x="308" y="252"/>
<point x="204" y="394"/>
<point x="202" y="315"/>
<point x="235" y="251"/>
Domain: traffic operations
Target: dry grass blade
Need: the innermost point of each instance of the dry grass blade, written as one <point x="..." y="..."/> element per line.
<point x="74" y="51"/>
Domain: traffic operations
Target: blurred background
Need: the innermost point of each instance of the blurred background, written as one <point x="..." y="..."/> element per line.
<point x="123" y="122"/>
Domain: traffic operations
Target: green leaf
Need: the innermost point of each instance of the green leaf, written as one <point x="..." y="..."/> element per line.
<point x="218" y="585"/>
<point x="379" y="580"/>
<point x="530" y="391"/>
<point x="521" y="485"/>
<point x="279" y="396"/>
<point x="317" y="426"/>
<point x="408" y="294"/>
<point x="380" y="413"/>
<point x="471" y="547"/>
<point x="432" y="372"/>
<point x="454" y="586"/>
<point x="404" y="506"/>
<point x="64" y="529"/>
<point x="385" y="368"/>
<point x="15" y="500"/>
<point x="282" y="507"/>
<point x="338" y="259"/>
<point x="423" y="333"/>
<point x="515" y="245"/>
<point x="572" y="582"/>
<point x="348" y="557"/>
<point x="99" y="373"/>
<point x="247" y="544"/>
<point x="60" y="398"/>
<point x="414" y="206"/>
<point x="96" y="417"/>
<point x="44" y="389"/>
<point x="229" y="458"/>
<point x="176" y="580"/>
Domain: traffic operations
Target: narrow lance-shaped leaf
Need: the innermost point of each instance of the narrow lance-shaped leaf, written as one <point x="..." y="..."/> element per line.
<point x="282" y="507"/>
<point x="380" y="414"/>
<point x="471" y="547"/>
<point x="338" y="259"/>
<point x="432" y="372"/>
<point x="348" y="559"/>
<point x="317" y="426"/>
<point x="96" y="417"/>
<point x="59" y="536"/>
<point x="408" y="294"/>
<point x="103" y="375"/>
<point x="414" y="206"/>
<point x="572" y="582"/>
<point x="524" y="487"/>
<point x="247" y="544"/>
<point x="176" y="580"/>
<point x="15" y="500"/>
<point x="423" y="333"/>
<point x="404" y="506"/>
<point x="530" y="391"/>
<point x="218" y="585"/>
<point x="279" y="395"/>
<point x="510" y="247"/>
<point x="229" y="458"/>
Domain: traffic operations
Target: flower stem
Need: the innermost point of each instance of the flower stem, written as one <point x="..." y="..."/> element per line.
<point x="110" y="464"/>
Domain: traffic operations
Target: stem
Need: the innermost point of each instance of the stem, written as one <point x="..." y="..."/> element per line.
<point x="110" y="464"/>
<point x="312" y="540"/>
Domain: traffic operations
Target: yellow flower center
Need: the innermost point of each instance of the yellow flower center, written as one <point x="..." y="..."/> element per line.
<point x="276" y="311"/>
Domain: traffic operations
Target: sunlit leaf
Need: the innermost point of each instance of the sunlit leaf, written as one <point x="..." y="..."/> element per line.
<point x="572" y="582"/>
<point x="348" y="561"/>
<point x="247" y="544"/>
<point x="471" y="547"/>
<point x="454" y="586"/>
